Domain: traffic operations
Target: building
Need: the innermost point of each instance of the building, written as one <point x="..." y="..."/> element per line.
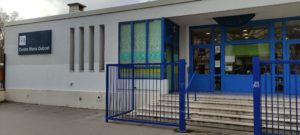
<point x="60" y="60"/>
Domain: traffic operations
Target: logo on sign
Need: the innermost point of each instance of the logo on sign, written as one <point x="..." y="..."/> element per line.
<point x="22" y="40"/>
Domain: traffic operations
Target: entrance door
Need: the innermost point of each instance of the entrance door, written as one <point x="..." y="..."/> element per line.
<point x="201" y="70"/>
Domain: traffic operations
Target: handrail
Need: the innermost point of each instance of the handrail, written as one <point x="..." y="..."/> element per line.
<point x="188" y="93"/>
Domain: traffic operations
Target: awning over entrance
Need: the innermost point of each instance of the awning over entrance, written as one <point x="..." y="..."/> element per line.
<point x="262" y="13"/>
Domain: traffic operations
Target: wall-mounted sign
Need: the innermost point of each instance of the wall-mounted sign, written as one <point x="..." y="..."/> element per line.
<point x="38" y="42"/>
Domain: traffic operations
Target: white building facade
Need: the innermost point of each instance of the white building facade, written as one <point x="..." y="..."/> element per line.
<point x="77" y="79"/>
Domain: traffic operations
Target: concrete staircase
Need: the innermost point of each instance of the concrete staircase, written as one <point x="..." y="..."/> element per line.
<point x="230" y="112"/>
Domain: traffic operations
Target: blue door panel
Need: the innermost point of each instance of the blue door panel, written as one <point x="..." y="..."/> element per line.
<point x="294" y="84"/>
<point x="201" y="83"/>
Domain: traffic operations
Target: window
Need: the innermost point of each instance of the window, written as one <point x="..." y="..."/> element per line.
<point x="102" y="47"/>
<point x="279" y="56"/>
<point x="72" y="49"/>
<point x="247" y="33"/>
<point x="293" y="29"/>
<point x="125" y="44"/>
<point x="201" y="36"/>
<point x="81" y="49"/>
<point x="202" y="60"/>
<point x="294" y="55"/>
<point x="136" y="45"/>
<point x="278" y="30"/>
<point x="154" y="43"/>
<point x="238" y="58"/>
<point x="139" y="42"/>
<point x="91" y="48"/>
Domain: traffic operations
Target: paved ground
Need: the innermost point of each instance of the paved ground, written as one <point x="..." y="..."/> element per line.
<point x="27" y="119"/>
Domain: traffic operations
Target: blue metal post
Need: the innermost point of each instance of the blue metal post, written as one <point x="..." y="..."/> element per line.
<point x="182" y="92"/>
<point x="106" y="98"/>
<point x="256" y="95"/>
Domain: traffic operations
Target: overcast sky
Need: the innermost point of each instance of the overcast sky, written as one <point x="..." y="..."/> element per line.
<point x="39" y="8"/>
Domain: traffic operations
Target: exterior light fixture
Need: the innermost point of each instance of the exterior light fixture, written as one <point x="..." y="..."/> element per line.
<point x="207" y="33"/>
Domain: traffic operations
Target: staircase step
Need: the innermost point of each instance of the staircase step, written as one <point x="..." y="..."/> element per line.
<point x="227" y="104"/>
<point x="216" y="116"/>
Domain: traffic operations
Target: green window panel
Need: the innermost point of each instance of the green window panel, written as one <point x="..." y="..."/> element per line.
<point x="140" y="42"/>
<point x="238" y="58"/>
<point x="154" y="43"/>
<point x="125" y="44"/>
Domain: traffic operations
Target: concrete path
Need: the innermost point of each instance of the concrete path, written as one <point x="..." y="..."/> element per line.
<point x="28" y="119"/>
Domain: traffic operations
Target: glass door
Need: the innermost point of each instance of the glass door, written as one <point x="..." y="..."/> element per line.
<point x="201" y="69"/>
<point x="201" y="72"/>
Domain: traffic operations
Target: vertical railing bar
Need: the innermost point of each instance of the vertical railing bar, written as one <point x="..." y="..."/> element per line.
<point x="160" y="100"/>
<point x="132" y="91"/>
<point x="165" y="99"/>
<point x="277" y="92"/>
<point x="256" y="96"/>
<point x="290" y="100"/>
<point x="296" y="93"/>
<point x="182" y="92"/>
<point x="137" y="93"/>
<point x="118" y="95"/>
<point x="122" y="89"/>
<point x="156" y="100"/>
<point x="153" y="92"/>
<point x="107" y="94"/>
<point x="142" y="91"/>
<point x="119" y="105"/>
<point x="272" y="101"/>
<point x="126" y="72"/>
<point x="149" y="93"/>
<point x="284" y="119"/>
<point x="266" y="100"/>
<point x="113" y="90"/>
<point x="122" y="70"/>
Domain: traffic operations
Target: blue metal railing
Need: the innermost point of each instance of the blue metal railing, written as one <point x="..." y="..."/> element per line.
<point x="147" y="93"/>
<point x="275" y="96"/>
<point x="188" y="94"/>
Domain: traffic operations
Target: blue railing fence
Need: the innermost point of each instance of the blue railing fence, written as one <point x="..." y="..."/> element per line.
<point x="275" y="96"/>
<point x="147" y="93"/>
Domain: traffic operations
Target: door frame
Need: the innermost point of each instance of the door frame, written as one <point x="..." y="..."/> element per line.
<point x="211" y="48"/>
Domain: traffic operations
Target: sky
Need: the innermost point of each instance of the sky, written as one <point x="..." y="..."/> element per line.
<point x="38" y="8"/>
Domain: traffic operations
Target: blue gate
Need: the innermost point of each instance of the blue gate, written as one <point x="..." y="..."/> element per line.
<point x="275" y="97"/>
<point x="134" y="93"/>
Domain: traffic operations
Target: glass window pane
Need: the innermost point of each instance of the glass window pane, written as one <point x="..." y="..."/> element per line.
<point x="154" y="45"/>
<point x="247" y="33"/>
<point x="140" y="42"/>
<point x="278" y="30"/>
<point x="279" y="56"/>
<point x="217" y="36"/>
<point x="202" y="60"/>
<point x="125" y="43"/>
<point x="293" y="29"/>
<point x="279" y="84"/>
<point x="201" y="36"/>
<point x="294" y="55"/>
<point x="238" y="58"/>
